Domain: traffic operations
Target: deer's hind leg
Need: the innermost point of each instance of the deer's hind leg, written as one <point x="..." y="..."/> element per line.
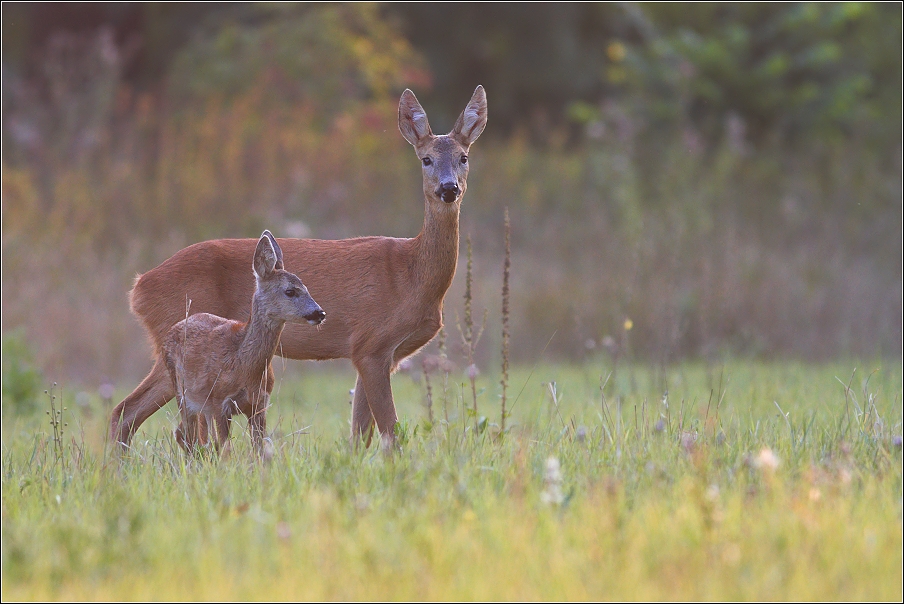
<point x="154" y="392"/>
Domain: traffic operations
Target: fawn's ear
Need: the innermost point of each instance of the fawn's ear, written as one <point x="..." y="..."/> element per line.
<point x="472" y="120"/>
<point x="413" y="122"/>
<point x="276" y="248"/>
<point x="265" y="258"/>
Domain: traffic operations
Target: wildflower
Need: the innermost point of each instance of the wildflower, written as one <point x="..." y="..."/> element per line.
<point x="844" y="475"/>
<point x="430" y="363"/>
<point x="628" y="324"/>
<point x="552" y="494"/>
<point x="766" y="460"/>
<point x="473" y="372"/>
<point x="283" y="531"/>
<point x="405" y="365"/>
<point x="688" y="439"/>
<point x="106" y="391"/>
<point x="616" y="52"/>
<point x="581" y="434"/>
<point x="896" y="442"/>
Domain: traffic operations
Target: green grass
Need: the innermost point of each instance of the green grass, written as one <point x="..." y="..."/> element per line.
<point x="676" y="502"/>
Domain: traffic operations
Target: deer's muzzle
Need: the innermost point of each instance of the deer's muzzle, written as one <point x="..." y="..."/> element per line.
<point x="448" y="191"/>
<point x="316" y="317"/>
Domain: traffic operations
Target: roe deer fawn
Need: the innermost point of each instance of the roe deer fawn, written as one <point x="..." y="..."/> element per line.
<point x="384" y="295"/>
<point x="220" y="366"/>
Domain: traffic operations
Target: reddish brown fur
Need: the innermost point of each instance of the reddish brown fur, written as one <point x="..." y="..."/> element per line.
<point x="383" y="295"/>
<point x="219" y="367"/>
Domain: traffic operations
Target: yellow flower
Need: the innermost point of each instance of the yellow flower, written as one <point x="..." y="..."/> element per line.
<point x="615" y="51"/>
<point x="628" y="324"/>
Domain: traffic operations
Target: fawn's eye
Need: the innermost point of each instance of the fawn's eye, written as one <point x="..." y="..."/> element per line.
<point x="464" y="159"/>
<point x="427" y="161"/>
<point x="292" y="292"/>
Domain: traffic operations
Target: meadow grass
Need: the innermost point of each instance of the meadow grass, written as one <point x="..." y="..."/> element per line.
<point x="746" y="481"/>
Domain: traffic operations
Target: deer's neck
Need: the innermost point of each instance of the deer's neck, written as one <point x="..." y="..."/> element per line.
<point x="436" y="251"/>
<point x="261" y="338"/>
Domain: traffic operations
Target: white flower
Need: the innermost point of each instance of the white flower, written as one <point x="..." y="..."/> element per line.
<point x="766" y="460"/>
<point x="552" y="494"/>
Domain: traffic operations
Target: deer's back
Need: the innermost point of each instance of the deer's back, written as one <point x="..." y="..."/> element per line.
<point x="363" y="285"/>
<point x="200" y="353"/>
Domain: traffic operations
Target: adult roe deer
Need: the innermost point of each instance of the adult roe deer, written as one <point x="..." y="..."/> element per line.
<point x="220" y="366"/>
<point x="384" y="295"/>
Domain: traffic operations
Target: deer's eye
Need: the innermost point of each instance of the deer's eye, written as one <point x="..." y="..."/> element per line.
<point x="464" y="159"/>
<point x="292" y="292"/>
<point x="427" y="161"/>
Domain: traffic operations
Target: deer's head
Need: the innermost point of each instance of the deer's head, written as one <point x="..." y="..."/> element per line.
<point x="279" y="294"/>
<point x="444" y="158"/>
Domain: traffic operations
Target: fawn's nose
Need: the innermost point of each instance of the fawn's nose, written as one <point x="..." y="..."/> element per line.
<point x="448" y="191"/>
<point x="316" y="317"/>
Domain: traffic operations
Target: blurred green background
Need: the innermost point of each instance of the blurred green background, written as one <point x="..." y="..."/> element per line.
<point x="725" y="179"/>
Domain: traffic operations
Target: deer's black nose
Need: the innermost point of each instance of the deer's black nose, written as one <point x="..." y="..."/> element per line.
<point x="316" y="317"/>
<point x="449" y="191"/>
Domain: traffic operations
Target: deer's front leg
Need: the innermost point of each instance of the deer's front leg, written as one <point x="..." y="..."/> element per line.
<point x="362" y="417"/>
<point x="373" y="373"/>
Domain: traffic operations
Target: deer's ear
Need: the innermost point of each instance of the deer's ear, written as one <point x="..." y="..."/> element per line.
<point x="265" y="258"/>
<point x="276" y="248"/>
<point x="413" y="122"/>
<point x="473" y="119"/>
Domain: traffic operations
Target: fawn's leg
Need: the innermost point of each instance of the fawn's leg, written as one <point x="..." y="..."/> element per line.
<point x="187" y="433"/>
<point x="154" y="392"/>
<point x="257" y="421"/>
<point x="221" y="427"/>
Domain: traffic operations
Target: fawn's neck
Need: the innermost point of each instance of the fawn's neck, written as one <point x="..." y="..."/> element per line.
<point x="436" y="251"/>
<point x="261" y="338"/>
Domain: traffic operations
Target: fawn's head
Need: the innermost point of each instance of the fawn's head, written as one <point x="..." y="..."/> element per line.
<point x="445" y="157"/>
<point x="279" y="294"/>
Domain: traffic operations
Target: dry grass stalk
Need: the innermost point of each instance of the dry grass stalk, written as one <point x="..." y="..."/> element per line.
<point x="506" y="268"/>
<point x="469" y="336"/>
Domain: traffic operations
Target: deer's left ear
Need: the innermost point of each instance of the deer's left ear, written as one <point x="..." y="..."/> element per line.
<point x="473" y="119"/>
<point x="276" y="249"/>
<point x="265" y="257"/>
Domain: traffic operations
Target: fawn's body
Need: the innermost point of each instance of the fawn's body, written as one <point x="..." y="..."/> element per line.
<point x="384" y="295"/>
<point x="218" y="366"/>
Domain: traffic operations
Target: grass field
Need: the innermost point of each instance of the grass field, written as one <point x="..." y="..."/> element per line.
<point x="747" y="481"/>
